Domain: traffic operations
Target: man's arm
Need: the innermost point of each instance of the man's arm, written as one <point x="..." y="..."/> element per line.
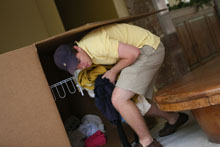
<point x="128" y="54"/>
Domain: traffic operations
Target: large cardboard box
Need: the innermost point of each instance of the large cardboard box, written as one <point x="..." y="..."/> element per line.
<point x="29" y="116"/>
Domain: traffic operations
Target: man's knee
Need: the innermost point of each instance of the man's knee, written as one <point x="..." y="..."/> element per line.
<point x="120" y="96"/>
<point x="114" y="101"/>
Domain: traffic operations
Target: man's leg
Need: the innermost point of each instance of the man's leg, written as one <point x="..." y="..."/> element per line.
<point x="121" y="99"/>
<point x="171" y="117"/>
<point x="174" y="120"/>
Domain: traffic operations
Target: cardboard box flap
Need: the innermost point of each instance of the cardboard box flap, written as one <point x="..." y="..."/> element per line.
<point x="28" y="113"/>
<point x="77" y="33"/>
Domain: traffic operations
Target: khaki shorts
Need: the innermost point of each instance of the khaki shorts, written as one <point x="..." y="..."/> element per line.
<point x="140" y="77"/>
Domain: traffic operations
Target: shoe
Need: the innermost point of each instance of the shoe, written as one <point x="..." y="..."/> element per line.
<point x="170" y="129"/>
<point x="154" y="143"/>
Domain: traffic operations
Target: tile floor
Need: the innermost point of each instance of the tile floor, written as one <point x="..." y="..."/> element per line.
<point x="190" y="135"/>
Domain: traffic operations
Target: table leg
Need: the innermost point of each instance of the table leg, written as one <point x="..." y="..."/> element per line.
<point x="209" y="120"/>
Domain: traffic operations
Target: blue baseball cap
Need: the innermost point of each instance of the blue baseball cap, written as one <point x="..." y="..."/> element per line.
<point x="65" y="58"/>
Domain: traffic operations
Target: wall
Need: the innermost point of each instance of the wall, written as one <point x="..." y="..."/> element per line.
<point x="50" y="16"/>
<point x="79" y="12"/>
<point x="121" y="8"/>
<point x="24" y="22"/>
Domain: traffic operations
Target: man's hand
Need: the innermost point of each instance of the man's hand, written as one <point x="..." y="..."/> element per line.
<point x="111" y="75"/>
<point x="127" y="54"/>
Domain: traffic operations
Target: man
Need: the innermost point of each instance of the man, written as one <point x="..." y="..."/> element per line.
<point x="137" y="55"/>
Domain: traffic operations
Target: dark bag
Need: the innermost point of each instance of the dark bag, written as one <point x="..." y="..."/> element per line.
<point x="103" y="93"/>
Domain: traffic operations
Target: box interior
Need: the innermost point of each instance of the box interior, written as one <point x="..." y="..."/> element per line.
<point x="54" y="75"/>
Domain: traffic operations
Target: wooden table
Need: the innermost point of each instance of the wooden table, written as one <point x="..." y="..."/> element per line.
<point x="198" y="91"/>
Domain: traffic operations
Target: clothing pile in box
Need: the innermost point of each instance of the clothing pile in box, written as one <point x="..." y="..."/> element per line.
<point x="88" y="132"/>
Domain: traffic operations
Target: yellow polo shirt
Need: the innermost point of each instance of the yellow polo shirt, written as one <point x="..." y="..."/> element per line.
<point x="101" y="44"/>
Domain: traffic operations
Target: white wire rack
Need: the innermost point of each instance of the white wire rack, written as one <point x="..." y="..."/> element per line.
<point x="60" y="90"/>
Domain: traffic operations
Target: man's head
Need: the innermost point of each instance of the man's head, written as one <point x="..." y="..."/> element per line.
<point x="70" y="59"/>
<point x="65" y="58"/>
